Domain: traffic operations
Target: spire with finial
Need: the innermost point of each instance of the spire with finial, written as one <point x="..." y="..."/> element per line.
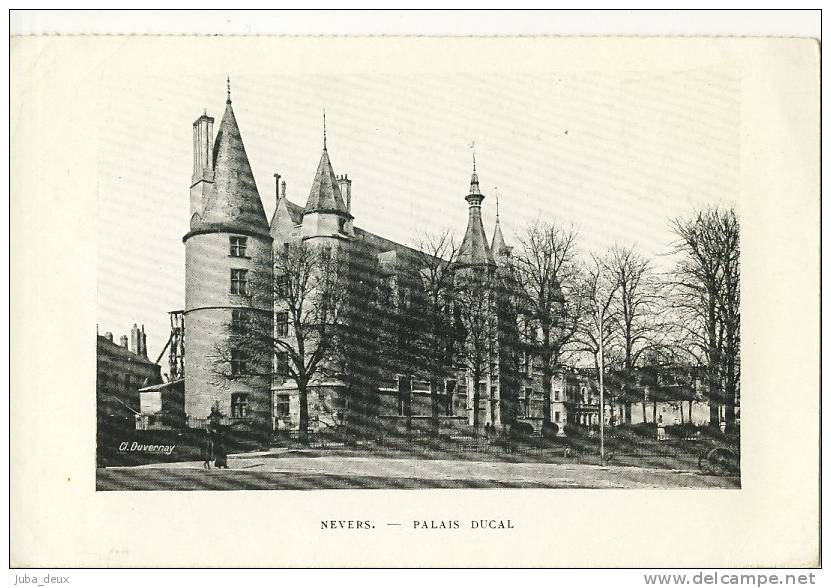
<point x="227" y="89"/>
<point x="474" y="180"/>
<point x="474" y="250"/>
<point x="498" y="246"/>
<point x="325" y="195"/>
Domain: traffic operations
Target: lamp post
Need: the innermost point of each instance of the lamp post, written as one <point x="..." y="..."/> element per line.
<point x="602" y="402"/>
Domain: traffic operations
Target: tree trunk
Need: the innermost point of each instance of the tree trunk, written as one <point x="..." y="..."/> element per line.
<point x="627" y="411"/>
<point x="730" y="391"/>
<point x="712" y="367"/>
<point x="434" y="407"/>
<point x="476" y="379"/>
<point x="691" y="406"/>
<point x="546" y="394"/>
<point x="643" y="407"/>
<point x="655" y="412"/>
<point x="303" y="432"/>
<point x="405" y="390"/>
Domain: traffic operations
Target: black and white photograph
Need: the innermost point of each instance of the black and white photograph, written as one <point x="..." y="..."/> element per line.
<point x="399" y="281"/>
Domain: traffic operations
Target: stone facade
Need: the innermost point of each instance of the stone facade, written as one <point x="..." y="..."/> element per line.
<point x="230" y="239"/>
<point x="228" y="278"/>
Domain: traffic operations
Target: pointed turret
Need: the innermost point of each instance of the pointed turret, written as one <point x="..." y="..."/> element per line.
<point x="325" y="195"/>
<point x="326" y="214"/>
<point x="498" y="246"/>
<point x="234" y="203"/>
<point x="474" y="249"/>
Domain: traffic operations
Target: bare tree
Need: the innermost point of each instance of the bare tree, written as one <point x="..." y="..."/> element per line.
<point x="438" y="334"/>
<point x="301" y="344"/>
<point x="599" y="286"/>
<point x="637" y="316"/>
<point x="546" y="276"/>
<point x="706" y="299"/>
<point x="474" y="310"/>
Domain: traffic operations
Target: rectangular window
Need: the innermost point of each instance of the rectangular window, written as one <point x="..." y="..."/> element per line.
<point x="281" y="406"/>
<point x="525" y="402"/>
<point x="239" y="405"/>
<point x="239" y="281"/>
<point x="282" y="367"/>
<point x="238" y="246"/>
<point x="238" y="363"/>
<point x="556" y="417"/>
<point x="237" y="319"/>
<point x="556" y="395"/>
<point x="281" y="286"/>
<point x="281" y="324"/>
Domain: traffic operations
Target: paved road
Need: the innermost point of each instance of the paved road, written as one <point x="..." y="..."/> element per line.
<point x="292" y="471"/>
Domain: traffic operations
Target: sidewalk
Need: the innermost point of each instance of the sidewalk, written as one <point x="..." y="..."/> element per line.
<point x="284" y="463"/>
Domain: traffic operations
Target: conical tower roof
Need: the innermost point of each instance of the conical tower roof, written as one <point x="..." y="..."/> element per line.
<point x="498" y="246"/>
<point x="234" y="204"/>
<point x="474" y="249"/>
<point x="325" y="194"/>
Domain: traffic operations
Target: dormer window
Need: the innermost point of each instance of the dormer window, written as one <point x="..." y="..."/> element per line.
<point x="342" y="225"/>
<point x="238" y="246"/>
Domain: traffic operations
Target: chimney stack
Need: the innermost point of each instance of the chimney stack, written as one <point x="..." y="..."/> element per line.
<point x="124" y="341"/>
<point x="346" y="191"/>
<point x="277" y="186"/>
<point x="108" y="336"/>
<point x="283" y="189"/>
<point x="143" y="339"/>
<point x="203" y="144"/>
<point x="135" y="340"/>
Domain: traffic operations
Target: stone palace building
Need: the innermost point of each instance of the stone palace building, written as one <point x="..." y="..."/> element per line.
<point x="230" y="252"/>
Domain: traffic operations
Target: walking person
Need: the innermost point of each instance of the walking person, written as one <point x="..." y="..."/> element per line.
<point x="207" y="449"/>
<point x="220" y="453"/>
<point x="217" y="438"/>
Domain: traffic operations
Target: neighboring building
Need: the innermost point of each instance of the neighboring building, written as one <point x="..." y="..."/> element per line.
<point x="122" y="369"/>
<point x="664" y="399"/>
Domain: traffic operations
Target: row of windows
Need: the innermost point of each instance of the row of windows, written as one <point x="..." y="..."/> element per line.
<point x="239" y="283"/>
<point x="239" y="363"/>
<point x="281" y="321"/>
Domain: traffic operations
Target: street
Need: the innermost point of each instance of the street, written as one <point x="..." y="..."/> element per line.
<point x="283" y="471"/>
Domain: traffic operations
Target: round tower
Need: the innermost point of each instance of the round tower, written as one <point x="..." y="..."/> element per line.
<point x="228" y="284"/>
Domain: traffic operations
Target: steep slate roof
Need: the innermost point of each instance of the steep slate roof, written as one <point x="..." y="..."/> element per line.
<point x="234" y="204"/>
<point x="287" y="215"/>
<point x="325" y="194"/>
<point x="474" y="249"/>
<point x="295" y="211"/>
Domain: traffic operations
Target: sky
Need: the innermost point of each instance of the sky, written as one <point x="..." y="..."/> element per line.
<point x="616" y="153"/>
